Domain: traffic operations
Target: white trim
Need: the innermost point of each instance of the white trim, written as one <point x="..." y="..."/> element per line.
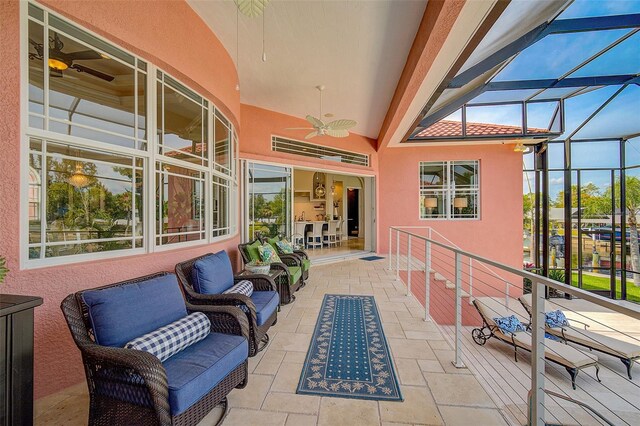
<point x="318" y="168"/>
<point x="148" y="156"/>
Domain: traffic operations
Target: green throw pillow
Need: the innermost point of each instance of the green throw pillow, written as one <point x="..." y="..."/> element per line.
<point x="285" y="246"/>
<point x="268" y="253"/>
<point x="253" y="251"/>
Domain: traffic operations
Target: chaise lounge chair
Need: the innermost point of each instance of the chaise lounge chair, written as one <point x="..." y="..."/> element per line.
<point x="570" y="358"/>
<point x="627" y="352"/>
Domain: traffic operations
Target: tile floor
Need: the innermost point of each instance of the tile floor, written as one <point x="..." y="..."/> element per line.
<point x="435" y="392"/>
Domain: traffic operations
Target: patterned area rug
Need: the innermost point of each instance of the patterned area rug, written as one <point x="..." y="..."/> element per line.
<point x="348" y="356"/>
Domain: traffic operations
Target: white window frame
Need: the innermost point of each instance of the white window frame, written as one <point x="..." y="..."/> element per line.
<point x="449" y="190"/>
<point x="150" y="157"/>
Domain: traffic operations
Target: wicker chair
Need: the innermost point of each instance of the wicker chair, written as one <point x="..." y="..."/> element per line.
<point x="302" y="256"/>
<point x="290" y="283"/>
<point x="128" y="386"/>
<point x="258" y="337"/>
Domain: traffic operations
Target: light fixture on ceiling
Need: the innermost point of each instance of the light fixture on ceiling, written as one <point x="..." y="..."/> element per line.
<point x="57" y="64"/>
<point x="78" y="179"/>
<point x="521" y="147"/>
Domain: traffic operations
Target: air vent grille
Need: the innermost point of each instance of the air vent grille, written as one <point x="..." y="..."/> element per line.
<point x="290" y="146"/>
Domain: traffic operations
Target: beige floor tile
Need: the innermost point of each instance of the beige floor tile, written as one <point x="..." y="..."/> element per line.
<point x="416" y="349"/>
<point x="392" y="330"/>
<point x="295" y="357"/>
<point x="462" y="416"/>
<point x="430" y="366"/>
<point x="270" y="362"/>
<point x="424" y="335"/>
<point x="287" y="378"/>
<point x="253" y="395"/>
<point x="458" y="389"/>
<point x="286" y="325"/>
<point x="352" y="412"/>
<point x="392" y="306"/>
<point x="388" y="317"/>
<point x="446" y="358"/>
<point x="291" y="342"/>
<point x="244" y="417"/>
<point x="418" y="407"/>
<point x="301" y="420"/>
<point x="409" y="372"/>
<point x="292" y="403"/>
<point x="306" y="328"/>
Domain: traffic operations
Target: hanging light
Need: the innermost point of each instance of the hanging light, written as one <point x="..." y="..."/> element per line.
<point x="78" y="179"/>
<point x="520" y="147"/>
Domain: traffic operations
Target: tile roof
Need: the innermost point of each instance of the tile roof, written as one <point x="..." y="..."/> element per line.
<point x="449" y="128"/>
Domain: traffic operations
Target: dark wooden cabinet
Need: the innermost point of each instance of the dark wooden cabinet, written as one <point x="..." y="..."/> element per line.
<point x="16" y="359"/>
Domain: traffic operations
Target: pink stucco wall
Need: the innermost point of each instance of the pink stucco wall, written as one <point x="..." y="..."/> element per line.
<point x="159" y="34"/>
<point x="259" y="124"/>
<point x="498" y="232"/>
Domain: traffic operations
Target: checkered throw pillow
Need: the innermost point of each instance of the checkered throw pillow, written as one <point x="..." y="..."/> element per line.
<point x="172" y="338"/>
<point x="243" y="287"/>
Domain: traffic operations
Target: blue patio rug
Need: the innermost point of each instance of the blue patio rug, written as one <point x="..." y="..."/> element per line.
<point x="348" y="356"/>
<point x="371" y="258"/>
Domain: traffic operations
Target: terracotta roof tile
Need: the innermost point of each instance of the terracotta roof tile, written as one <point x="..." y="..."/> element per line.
<point x="449" y="128"/>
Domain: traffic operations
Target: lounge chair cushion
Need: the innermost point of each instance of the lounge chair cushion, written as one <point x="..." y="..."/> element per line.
<point x="172" y="338"/>
<point x="510" y="324"/>
<point x="120" y="314"/>
<point x="295" y="272"/>
<point x="268" y="254"/>
<point x="212" y="274"/>
<point x="565" y="355"/>
<point x="306" y="264"/>
<point x="253" y="251"/>
<point x="266" y="304"/>
<point x="597" y="341"/>
<point x="556" y="319"/>
<point x="193" y="372"/>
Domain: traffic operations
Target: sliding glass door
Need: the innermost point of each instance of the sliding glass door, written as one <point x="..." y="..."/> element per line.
<point x="267" y="206"/>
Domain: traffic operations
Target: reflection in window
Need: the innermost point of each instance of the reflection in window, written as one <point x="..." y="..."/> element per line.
<point x="94" y="201"/>
<point x="220" y="206"/>
<point x="449" y="190"/>
<point x="222" y="136"/>
<point x="180" y="204"/>
<point x="92" y="94"/>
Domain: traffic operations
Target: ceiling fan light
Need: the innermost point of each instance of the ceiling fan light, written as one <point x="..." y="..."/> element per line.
<point x="78" y="179"/>
<point x="57" y="64"/>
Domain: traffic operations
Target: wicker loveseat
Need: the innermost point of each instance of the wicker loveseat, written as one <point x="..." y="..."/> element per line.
<point x="261" y="307"/>
<point x="133" y="387"/>
<point x="290" y="266"/>
<point x="302" y="256"/>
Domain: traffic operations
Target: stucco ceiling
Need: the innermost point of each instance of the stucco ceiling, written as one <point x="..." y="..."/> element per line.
<point x="357" y="49"/>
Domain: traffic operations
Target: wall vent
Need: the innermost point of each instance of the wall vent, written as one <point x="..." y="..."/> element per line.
<point x="291" y="146"/>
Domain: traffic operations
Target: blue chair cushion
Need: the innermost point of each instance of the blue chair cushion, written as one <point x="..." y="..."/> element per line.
<point x="120" y="314"/>
<point x="212" y="274"/>
<point x="193" y="372"/>
<point x="266" y="303"/>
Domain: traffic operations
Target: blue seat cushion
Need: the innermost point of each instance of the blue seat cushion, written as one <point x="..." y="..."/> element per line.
<point x="120" y="314"/>
<point x="212" y="274"/>
<point x="266" y="303"/>
<point x="193" y="372"/>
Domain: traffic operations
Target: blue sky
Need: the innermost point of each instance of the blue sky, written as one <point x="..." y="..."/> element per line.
<point x="556" y="55"/>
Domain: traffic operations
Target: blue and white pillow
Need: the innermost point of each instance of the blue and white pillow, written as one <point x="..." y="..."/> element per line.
<point x="243" y="287"/>
<point x="510" y="324"/>
<point x="555" y="319"/>
<point x="172" y="338"/>
<point x="285" y="246"/>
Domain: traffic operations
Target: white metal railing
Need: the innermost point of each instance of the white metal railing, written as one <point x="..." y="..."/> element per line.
<point x="424" y="250"/>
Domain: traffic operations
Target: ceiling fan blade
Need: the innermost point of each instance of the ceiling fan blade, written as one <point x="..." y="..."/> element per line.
<point x="338" y="133"/>
<point x="95" y="73"/>
<point x="315" y="122"/>
<point x="311" y="135"/>
<point x="341" y="124"/>
<point x="299" y="128"/>
<point x="84" y="55"/>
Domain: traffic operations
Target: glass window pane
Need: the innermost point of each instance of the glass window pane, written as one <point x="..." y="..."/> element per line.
<point x="89" y="201"/>
<point x="555" y="155"/>
<point x="220" y="207"/>
<point x="595" y="154"/>
<point x="464" y="204"/>
<point x="504" y="96"/>
<point x="270" y="203"/>
<point x="494" y="120"/>
<point x="619" y="60"/>
<point x="632" y="152"/>
<point x="433" y="205"/>
<point x="543" y="117"/>
<point x="617" y="119"/>
<point x="90" y="94"/>
<point x="433" y="174"/>
<point x="36" y="73"/>
<point x="180" y="204"/>
<point x="35" y="194"/>
<point x="589" y="8"/>
<point x="464" y="174"/>
<point x="222" y="144"/>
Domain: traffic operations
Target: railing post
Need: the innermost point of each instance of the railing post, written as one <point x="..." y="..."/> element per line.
<point x="390" y="247"/>
<point x="536" y="402"/>
<point x="458" y="274"/>
<point x="427" y="280"/>
<point x="409" y="265"/>
<point x="397" y="254"/>
<point x="470" y="280"/>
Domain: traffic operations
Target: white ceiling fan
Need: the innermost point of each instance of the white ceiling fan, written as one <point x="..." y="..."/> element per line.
<point x="336" y="128"/>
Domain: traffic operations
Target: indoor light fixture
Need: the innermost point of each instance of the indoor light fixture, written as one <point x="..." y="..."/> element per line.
<point x="57" y="64"/>
<point x="78" y="179"/>
<point x="460" y="203"/>
<point x="430" y="203"/>
<point x="520" y="147"/>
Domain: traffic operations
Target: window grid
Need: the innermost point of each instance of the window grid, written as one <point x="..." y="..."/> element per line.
<point x="449" y="190"/>
<point x="143" y="151"/>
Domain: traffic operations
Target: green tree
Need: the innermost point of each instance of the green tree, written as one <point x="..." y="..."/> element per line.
<point x="527" y="210"/>
<point x="632" y="207"/>
<point x="592" y="201"/>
